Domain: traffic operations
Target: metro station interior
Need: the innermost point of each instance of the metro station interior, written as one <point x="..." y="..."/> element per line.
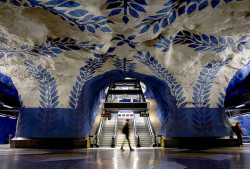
<point x="72" y="72"/>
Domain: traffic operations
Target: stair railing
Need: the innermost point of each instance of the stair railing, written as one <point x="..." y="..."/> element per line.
<point x="137" y="138"/>
<point x="115" y="132"/>
<point x="151" y="131"/>
<point x="99" y="132"/>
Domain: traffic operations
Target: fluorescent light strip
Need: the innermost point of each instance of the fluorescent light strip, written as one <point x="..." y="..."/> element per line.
<point x="242" y="105"/>
<point x="7" y="106"/>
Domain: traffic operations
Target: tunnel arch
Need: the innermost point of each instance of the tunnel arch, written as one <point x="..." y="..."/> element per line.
<point x="239" y="83"/>
<point x="94" y="90"/>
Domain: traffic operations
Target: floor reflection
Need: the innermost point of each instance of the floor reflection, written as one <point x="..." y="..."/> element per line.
<point x="141" y="158"/>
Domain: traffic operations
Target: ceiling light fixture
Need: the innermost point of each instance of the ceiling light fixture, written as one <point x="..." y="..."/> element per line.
<point x="9" y="107"/>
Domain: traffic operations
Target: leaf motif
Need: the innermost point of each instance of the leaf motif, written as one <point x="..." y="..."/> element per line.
<point x="78" y="12"/>
<point x="138" y="8"/>
<point x="156" y="28"/>
<point x="214" y="3"/>
<point x="54" y="99"/>
<point x="213" y="39"/>
<point x="115" y="12"/>
<point x="145" y="28"/>
<point x="205" y="97"/>
<point x="43" y="98"/>
<point x="172" y="17"/>
<point x="86" y="18"/>
<point x="142" y="2"/>
<point x="70" y="4"/>
<point x="191" y="9"/>
<point x="133" y="13"/>
<point x="181" y="100"/>
<point x="106" y="29"/>
<point x="113" y="5"/>
<point x="42" y="104"/>
<point x="219" y="106"/>
<point x="221" y="101"/>
<point x="90" y="29"/>
<point x="181" y="10"/>
<point x="203" y="5"/>
<point x="205" y="38"/>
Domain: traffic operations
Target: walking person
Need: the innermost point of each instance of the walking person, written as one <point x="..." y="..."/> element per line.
<point x="238" y="131"/>
<point x="125" y="131"/>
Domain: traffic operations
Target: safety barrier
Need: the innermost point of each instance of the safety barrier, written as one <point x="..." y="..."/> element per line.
<point x="246" y="139"/>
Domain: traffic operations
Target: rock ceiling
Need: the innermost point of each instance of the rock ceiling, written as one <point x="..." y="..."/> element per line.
<point x="181" y="42"/>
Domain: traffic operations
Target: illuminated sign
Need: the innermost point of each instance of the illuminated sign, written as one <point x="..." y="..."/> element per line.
<point x="125" y="114"/>
<point x="106" y="115"/>
<point x="144" y="114"/>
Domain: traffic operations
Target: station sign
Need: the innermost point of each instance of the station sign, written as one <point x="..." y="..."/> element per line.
<point x="125" y="114"/>
<point x="106" y="115"/>
<point x="144" y="114"/>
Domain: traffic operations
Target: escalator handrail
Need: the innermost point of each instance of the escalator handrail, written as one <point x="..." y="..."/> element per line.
<point x="100" y="128"/>
<point x="135" y="129"/>
<point x="150" y="128"/>
<point x="116" y="126"/>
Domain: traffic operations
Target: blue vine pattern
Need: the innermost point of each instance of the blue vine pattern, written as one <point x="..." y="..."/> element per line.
<point x="202" y="42"/>
<point x="47" y="115"/>
<point x="125" y="65"/>
<point x="223" y="119"/>
<point x="123" y="40"/>
<point x="76" y="117"/>
<point x="171" y="10"/>
<point x="243" y="42"/>
<point x="175" y="88"/>
<point x="221" y="99"/>
<point x="201" y="118"/>
<point x="69" y="10"/>
<point x="131" y="7"/>
<point x="51" y="47"/>
<point x="204" y="83"/>
<point x="56" y="46"/>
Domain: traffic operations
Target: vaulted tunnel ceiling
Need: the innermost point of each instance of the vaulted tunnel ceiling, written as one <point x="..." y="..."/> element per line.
<point x="56" y="46"/>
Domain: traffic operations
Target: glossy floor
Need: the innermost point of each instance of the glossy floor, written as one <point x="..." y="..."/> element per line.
<point x="141" y="158"/>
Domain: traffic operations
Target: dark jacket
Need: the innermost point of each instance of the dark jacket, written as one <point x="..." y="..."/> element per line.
<point x="237" y="130"/>
<point x="126" y="129"/>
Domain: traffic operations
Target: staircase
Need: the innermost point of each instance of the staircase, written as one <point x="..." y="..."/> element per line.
<point x="143" y="131"/>
<point x="107" y="132"/>
<point x="120" y="136"/>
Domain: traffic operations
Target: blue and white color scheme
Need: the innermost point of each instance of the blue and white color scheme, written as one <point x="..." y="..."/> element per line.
<point x="59" y="56"/>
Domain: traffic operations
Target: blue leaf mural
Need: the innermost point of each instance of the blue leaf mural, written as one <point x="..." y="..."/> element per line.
<point x="243" y="43"/>
<point x="198" y="42"/>
<point x="124" y="65"/>
<point x="56" y="46"/>
<point x="132" y="7"/>
<point x="123" y="40"/>
<point x="68" y="10"/>
<point x="221" y="99"/>
<point x="201" y="93"/>
<point x="77" y="117"/>
<point x="205" y="81"/>
<point x="162" y="73"/>
<point x="47" y="116"/>
<point x="171" y="10"/>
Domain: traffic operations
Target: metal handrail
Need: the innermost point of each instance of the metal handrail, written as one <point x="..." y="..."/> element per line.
<point x="115" y="131"/>
<point x="135" y="133"/>
<point x="99" y="132"/>
<point x="151" y="131"/>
